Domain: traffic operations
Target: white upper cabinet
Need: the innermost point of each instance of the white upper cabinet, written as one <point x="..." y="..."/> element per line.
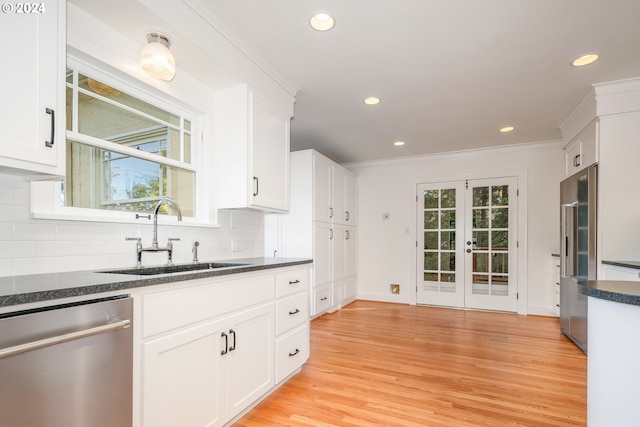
<point x="251" y="163"/>
<point x="582" y="150"/>
<point x="33" y="106"/>
<point x="334" y="192"/>
<point x="322" y="185"/>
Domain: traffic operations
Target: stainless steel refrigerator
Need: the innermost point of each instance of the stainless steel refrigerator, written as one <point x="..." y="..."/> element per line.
<point x="578" y="208"/>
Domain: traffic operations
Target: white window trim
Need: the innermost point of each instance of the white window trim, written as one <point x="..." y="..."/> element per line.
<point x="46" y="195"/>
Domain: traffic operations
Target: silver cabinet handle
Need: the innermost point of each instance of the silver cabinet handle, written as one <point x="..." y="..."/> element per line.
<point x="330" y="212"/>
<point x="346" y="215"/>
<point x="330" y="233"/>
<point x="52" y="113"/>
<point x="255" y="179"/>
<point x="35" y="345"/>
<point x="347" y="235"/>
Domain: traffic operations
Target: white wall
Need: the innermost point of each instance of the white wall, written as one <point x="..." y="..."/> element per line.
<point x="387" y="252"/>
<point x="30" y="246"/>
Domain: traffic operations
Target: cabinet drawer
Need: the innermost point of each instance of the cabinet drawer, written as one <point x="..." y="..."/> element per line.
<point x="289" y="282"/>
<point x="291" y="311"/>
<point x="166" y="310"/>
<point x="292" y="350"/>
<point x="321" y="299"/>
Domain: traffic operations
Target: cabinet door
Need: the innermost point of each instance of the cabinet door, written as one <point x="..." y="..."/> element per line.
<point x="270" y="155"/>
<point x="322" y="189"/>
<point x="337" y="196"/>
<point x="350" y="254"/>
<point x="573" y="157"/>
<point x="350" y="199"/>
<point x="350" y="287"/>
<point x="339" y="243"/>
<point x="32" y="107"/>
<point x="322" y="254"/>
<point x="249" y="361"/>
<point x="182" y="378"/>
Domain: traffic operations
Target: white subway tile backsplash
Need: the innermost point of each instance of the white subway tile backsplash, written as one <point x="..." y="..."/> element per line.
<point x="22" y="266"/>
<point x="74" y="231"/>
<point x="75" y="263"/>
<point x="6" y="232"/>
<point x="18" y="249"/>
<point x="6" y="267"/>
<point x="34" y="231"/>
<point x="30" y="246"/>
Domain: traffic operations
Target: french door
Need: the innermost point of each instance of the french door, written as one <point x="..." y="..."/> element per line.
<point x="466" y="244"/>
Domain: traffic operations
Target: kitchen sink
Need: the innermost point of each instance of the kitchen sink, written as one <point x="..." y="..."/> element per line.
<point x="178" y="268"/>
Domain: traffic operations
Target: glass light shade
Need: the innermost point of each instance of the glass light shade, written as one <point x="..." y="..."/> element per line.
<point x="157" y="61"/>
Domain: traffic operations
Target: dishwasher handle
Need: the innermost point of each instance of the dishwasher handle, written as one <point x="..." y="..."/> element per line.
<point x="46" y="342"/>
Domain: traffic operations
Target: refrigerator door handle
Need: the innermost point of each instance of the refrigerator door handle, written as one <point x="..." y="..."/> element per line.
<point x="569" y="241"/>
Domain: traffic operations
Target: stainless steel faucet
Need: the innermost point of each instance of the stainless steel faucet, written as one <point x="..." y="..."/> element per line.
<point x="162" y="201"/>
<point x="154" y="244"/>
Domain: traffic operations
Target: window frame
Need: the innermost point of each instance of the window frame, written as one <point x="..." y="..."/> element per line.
<point x="47" y="195"/>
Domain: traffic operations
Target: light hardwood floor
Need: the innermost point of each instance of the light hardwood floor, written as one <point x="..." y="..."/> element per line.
<point x="380" y="364"/>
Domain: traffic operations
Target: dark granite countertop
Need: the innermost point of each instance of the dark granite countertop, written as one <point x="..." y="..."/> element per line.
<point x="627" y="264"/>
<point x="43" y="287"/>
<point x="623" y="291"/>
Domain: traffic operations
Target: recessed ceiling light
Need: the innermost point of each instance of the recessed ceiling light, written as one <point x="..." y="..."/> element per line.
<point x="585" y="60"/>
<point x="398" y="143"/>
<point x="507" y="129"/>
<point x="372" y="100"/>
<point x="322" y="22"/>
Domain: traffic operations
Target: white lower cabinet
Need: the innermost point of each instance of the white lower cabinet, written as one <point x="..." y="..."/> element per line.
<point x="292" y="322"/>
<point x="211" y="349"/>
<point x="182" y="378"/>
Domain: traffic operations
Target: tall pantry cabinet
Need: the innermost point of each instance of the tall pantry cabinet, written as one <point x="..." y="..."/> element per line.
<point x="322" y="224"/>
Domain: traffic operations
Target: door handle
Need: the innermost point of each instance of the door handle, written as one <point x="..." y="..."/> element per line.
<point x="46" y="342"/>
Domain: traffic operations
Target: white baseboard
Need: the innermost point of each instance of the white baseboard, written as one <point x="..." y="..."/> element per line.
<point x="401" y="299"/>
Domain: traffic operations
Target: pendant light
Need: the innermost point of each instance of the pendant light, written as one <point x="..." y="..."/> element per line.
<point x="156" y="59"/>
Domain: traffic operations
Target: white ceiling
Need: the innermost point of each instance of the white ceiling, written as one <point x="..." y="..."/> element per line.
<point x="450" y="73"/>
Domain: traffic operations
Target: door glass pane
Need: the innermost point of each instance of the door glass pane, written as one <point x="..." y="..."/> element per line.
<point x="431" y="240"/>
<point x="448" y="261"/>
<point x="480" y="218"/>
<point x="449" y="198"/>
<point x="430" y="220"/>
<point x="448" y="219"/>
<point x="490" y="234"/>
<point x="431" y="199"/>
<point x="500" y="218"/>
<point x="431" y="261"/>
<point x="481" y="196"/>
<point x="500" y="195"/>
<point x="480" y="263"/>
<point x="481" y="240"/>
<point x="447" y="240"/>
<point x="500" y="239"/>
<point x="439" y="219"/>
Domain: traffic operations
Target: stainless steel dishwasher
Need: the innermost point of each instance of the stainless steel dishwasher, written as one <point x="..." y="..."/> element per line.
<point x="67" y="365"/>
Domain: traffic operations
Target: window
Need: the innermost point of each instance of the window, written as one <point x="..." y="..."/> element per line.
<point x="125" y="149"/>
